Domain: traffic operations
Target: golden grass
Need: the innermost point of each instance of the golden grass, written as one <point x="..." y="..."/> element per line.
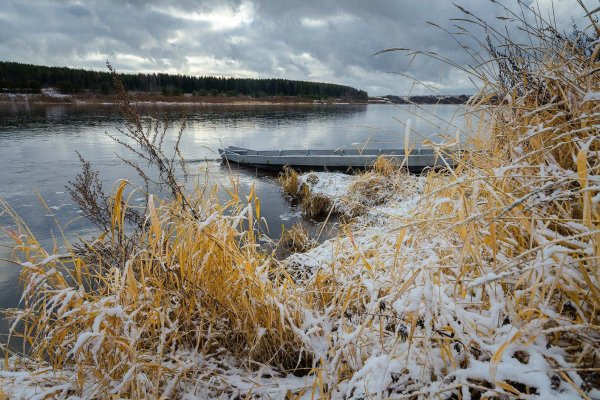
<point x="383" y="166"/>
<point x="368" y="189"/>
<point x="513" y="231"/>
<point x="487" y="287"/>
<point x="296" y="239"/>
<point x="288" y="179"/>
<point x="315" y="204"/>
<point x="194" y="284"/>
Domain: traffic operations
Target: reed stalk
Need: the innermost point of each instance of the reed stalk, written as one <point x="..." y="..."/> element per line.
<point x="483" y="286"/>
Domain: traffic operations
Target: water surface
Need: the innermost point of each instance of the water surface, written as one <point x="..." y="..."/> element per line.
<point x="39" y="145"/>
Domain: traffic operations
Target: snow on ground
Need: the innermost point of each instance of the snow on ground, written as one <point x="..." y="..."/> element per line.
<point x="52" y="92"/>
<point x="402" y="197"/>
<point x="329" y="184"/>
<point x="388" y="271"/>
<point x="393" y="327"/>
<point x="355" y="195"/>
<point x="218" y="376"/>
<point x="591" y="96"/>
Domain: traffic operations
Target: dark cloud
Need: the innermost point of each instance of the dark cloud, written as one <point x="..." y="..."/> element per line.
<point x="311" y="40"/>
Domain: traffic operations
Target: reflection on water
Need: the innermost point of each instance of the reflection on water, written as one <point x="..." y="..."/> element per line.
<point x="38" y="146"/>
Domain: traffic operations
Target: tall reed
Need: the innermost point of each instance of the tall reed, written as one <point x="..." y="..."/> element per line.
<point x="197" y="285"/>
<point x="486" y="287"/>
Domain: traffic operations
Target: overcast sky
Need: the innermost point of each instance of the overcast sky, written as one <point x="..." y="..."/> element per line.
<point x="317" y="40"/>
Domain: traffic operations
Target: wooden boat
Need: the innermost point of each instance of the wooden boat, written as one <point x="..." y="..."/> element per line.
<point x="417" y="159"/>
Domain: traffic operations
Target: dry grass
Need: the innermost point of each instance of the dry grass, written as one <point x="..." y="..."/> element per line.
<point x="490" y="283"/>
<point x="498" y="264"/>
<point x="367" y="189"/>
<point x="288" y="179"/>
<point x="315" y="204"/>
<point x="486" y="288"/>
<point x="371" y="189"/>
<point x="297" y="239"/>
<point x="193" y="286"/>
<point x="383" y="166"/>
<point x="363" y="191"/>
<point x="311" y="203"/>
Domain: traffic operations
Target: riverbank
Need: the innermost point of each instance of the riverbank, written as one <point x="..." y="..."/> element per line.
<point x="475" y="280"/>
<point x="50" y="96"/>
<point x="423" y="290"/>
<point x="53" y="97"/>
<point x="479" y="281"/>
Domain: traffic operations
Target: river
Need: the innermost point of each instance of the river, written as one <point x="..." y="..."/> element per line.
<point x="38" y="145"/>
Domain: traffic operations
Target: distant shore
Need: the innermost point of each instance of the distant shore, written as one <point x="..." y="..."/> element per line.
<point x="52" y="97"/>
<point x="158" y="99"/>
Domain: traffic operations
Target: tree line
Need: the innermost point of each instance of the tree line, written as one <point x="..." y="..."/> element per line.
<point x="32" y="78"/>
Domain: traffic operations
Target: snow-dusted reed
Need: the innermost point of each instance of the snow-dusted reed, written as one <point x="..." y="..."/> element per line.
<point x="477" y="282"/>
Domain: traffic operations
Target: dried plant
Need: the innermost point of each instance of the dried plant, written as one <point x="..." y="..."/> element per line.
<point x="296" y="239"/>
<point x="315" y="204"/>
<point x="483" y="286"/>
<point x="383" y="166"/>
<point x="148" y="143"/>
<point x="144" y="141"/>
<point x="87" y="192"/>
<point x="196" y="285"/>
<point x="288" y="179"/>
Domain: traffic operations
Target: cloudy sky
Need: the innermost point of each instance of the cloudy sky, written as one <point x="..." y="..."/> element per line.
<point x="318" y="40"/>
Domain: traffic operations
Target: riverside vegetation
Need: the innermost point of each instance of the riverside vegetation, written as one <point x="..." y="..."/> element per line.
<point x="478" y="282"/>
<point x="26" y="78"/>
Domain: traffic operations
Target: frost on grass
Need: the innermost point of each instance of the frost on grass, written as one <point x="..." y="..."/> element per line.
<point x="376" y="203"/>
<point x="480" y="282"/>
<point x="476" y="282"/>
<point x="354" y="195"/>
<point x="418" y="307"/>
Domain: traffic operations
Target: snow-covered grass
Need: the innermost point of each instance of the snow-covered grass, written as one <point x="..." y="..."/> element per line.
<point x="351" y="195"/>
<point x="196" y="286"/>
<point x="479" y="282"/>
<point x="361" y="194"/>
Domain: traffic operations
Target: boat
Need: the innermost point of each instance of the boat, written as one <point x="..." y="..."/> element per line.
<point x="417" y="160"/>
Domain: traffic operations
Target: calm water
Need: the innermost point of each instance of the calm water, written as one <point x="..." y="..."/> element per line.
<point x="38" y="146"/>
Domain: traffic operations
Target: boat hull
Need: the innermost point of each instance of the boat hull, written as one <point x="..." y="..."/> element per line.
<point x="339" y="159"/>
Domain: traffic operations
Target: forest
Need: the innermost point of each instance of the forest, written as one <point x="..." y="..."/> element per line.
<point x="17" y="77"/>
